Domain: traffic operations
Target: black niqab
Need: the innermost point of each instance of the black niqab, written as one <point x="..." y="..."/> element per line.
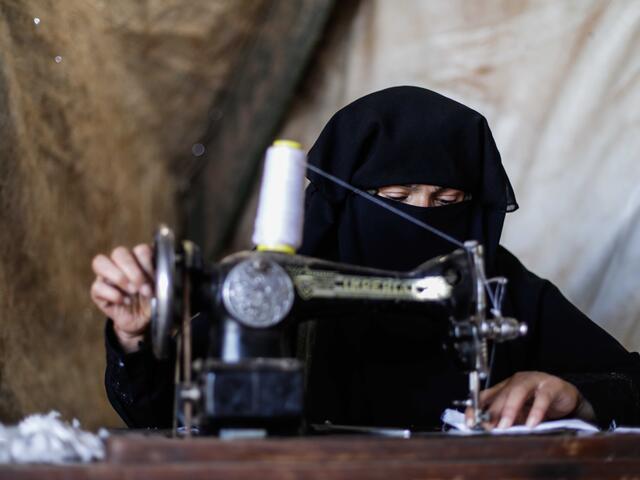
<point x="404" y="135"/>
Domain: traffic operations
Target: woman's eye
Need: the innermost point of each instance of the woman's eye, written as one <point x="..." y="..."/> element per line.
<point x="401" y="197"/>
<point x="445" y="200"/>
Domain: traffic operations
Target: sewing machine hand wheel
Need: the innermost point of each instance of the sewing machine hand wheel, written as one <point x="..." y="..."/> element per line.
<point x="165" y="308"/>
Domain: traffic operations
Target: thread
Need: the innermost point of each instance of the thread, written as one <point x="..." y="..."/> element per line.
<point x="380" y="203"/>
<point x="280" y="215"/>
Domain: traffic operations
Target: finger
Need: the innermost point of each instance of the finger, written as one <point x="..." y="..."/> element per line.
<point x="143" y="256"/>
<point x="494" y="408"/>
<point x="523" y="414"/>
<point x="489" y="394"/>
<point x="104" y="294"/>
<point x="492" y="400"/>
<point x="125" y="261"/>
<point x="539" y="408"/>
<point x="496" y="387"/>
<point x="470" y="420"/>
<point x="104" y="267"/>
<point x="513" y="405"/>
<point x="486" y="399"/>
<point x="468" y="416"/>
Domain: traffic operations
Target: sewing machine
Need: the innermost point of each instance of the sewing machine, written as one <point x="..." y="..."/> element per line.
<point x="254" y="300"/>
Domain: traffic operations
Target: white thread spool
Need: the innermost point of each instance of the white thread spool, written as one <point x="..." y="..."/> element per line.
<point x="278" y="225"/>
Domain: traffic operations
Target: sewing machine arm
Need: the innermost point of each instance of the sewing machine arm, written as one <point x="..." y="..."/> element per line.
<point x="253" y="300"/>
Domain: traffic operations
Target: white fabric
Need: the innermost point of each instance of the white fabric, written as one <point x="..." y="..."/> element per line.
<point x="558" y="83"/>
<point x="455" y="419"/>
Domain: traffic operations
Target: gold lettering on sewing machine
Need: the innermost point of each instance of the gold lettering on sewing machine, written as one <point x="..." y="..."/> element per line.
<point x="327" y="284"/>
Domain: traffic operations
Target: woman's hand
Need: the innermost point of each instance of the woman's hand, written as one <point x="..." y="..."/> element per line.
<point x="123" y="289"/>
<point x="530" y="398"/>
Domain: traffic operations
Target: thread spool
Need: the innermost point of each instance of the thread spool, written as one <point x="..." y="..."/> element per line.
<point x="278" y="225"/>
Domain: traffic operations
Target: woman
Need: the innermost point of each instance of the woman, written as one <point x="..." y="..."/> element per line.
<point x="436" y="160"/>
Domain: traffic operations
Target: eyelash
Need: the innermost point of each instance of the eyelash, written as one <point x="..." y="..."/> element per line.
<point x="399" y="197"/>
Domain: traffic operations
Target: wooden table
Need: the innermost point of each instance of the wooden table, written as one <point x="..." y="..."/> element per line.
<point x="131" y="456"/>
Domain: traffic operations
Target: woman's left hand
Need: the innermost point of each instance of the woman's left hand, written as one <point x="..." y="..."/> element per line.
<point x="531" y="397"/>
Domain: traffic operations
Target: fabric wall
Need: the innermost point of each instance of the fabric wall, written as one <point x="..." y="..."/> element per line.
<point x="100" y="105"/>
<point x="558" y="83"/>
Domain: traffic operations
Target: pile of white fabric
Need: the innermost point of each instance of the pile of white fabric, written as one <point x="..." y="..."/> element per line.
<point x="47" y="439"/>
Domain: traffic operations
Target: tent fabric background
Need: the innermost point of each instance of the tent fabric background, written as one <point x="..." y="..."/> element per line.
<point x="559" y="85"/>
<point x="93" y="149"/>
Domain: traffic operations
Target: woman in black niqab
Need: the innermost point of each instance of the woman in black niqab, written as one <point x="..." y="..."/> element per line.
<point x="393" y="371"/>
<point x="396" y="373"/>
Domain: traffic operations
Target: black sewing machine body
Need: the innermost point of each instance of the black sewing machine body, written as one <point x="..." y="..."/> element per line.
<point x="253" y="302"/>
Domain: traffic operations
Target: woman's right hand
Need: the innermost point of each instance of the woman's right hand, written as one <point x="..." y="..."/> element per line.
<point x="122" y="290"/>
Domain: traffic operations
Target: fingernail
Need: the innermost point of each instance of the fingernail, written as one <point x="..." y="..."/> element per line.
<point x="132" y="288"/>
<point x="531" y="422"/>
<point x="145" y="290"/>
<point x="127" y="301"/>
<point x="504" y="423"/>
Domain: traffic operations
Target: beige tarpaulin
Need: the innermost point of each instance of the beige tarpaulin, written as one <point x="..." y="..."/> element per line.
<point x="100" y="104"/>
<point x="558" y="82"/>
